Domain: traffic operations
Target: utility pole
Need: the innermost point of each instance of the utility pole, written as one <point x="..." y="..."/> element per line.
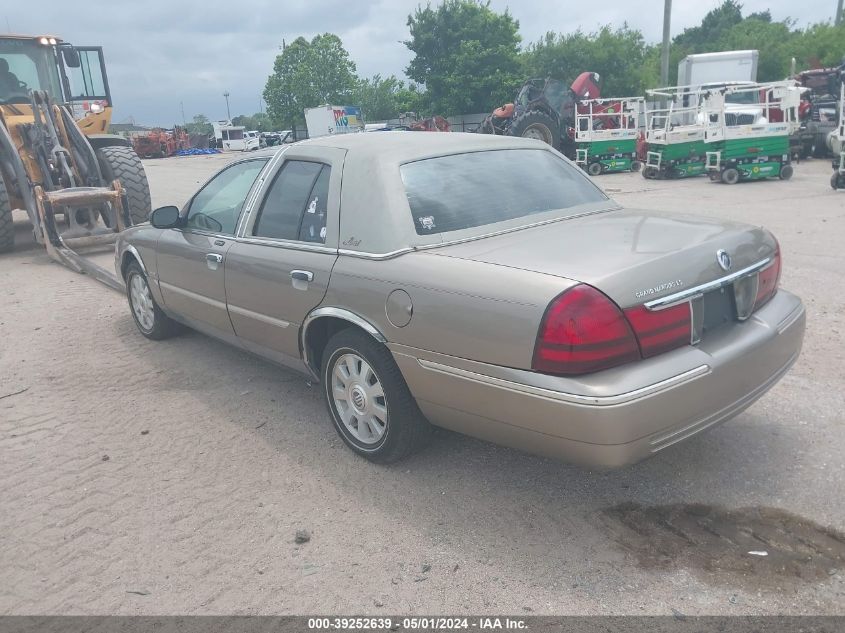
<point x="838" y="19"/>
<point x="228" y="115"/>
<point x="664" y="53"/>
<point x="182" y="106"/>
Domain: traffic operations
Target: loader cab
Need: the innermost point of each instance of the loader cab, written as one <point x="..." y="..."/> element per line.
<point x="72" y="75"/>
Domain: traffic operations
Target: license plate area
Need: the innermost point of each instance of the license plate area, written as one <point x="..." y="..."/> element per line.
<point x="718" y="309"/>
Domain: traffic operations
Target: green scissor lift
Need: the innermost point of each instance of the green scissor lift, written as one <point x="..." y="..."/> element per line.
<point x="606" y="133"/>
<point x="748" y="130"/>
<point x="675" y="134"/>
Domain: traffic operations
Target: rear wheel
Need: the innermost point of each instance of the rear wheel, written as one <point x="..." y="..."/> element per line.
<point x="594" y="169"/>
<point x="650" y="173"/>
<point x="730" y="176"/>
<point x="369" y="402"/>
<point x="538" y="125"/>
<point x="122" y="163"/>
<point x="636" y="165"/>
<point x="152" y="322"/>
<point x="7" y="228"/>
<point x="837" y="181"/>
<point x="786" y="172"/>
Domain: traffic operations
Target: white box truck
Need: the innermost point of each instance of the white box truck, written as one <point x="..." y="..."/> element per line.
<point x="718" y="68"/>
<point x="330" y="119"/>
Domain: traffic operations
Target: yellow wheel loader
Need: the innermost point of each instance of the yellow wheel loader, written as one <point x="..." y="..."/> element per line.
<point x="79" y="185"/>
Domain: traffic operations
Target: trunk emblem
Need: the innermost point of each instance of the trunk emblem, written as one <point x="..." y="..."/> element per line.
<point x="724" y="259"/>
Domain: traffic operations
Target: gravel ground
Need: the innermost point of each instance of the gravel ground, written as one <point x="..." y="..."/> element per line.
<point x="172" y="478"/>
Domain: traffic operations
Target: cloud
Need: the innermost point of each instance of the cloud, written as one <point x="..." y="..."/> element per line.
<point x="163" y="55"/>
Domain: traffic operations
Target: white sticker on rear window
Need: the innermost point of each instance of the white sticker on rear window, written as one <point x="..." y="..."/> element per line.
<point x="426" y="222"/>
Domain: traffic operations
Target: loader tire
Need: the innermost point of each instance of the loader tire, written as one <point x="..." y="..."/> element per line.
<point x="536" y="124"/>
<point x="7" y="228"/>
<point x="123" y="164"/>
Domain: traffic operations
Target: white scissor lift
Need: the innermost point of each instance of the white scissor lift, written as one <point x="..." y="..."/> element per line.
<point x="749" y="126"/>
<point x="675" y="133"/>
<point x="606" y="132"/>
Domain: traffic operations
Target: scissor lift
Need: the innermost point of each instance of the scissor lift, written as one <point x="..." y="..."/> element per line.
<point x="606" y="132"/>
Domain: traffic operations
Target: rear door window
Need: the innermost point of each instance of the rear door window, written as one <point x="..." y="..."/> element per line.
<point x="295" y="205"/>
<point x="462" y="191"/>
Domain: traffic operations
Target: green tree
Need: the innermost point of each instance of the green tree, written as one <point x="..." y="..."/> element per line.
<point x="622" y="58"/>
<point x="717" y="22"/>
<point x="772" y="39"/>
<point x="259" y="121"/>
<point x="199" y="125"/>
<point x="308" y="74"/>
<point x="465" y="54"/>
<point x="387" y="98"/>
<point x="819" y="46"/>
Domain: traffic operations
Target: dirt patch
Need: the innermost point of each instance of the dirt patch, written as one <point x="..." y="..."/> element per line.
<point x="762" y="546"/>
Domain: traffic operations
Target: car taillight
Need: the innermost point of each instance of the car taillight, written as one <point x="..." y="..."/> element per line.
<point x="661" y="330"/>
<point x="583" y="331"/>
<point x="768" y="280"/>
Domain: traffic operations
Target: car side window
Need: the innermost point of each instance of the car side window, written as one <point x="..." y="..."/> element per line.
<point x="295" y="205"/>
<point x="218" y="205"/>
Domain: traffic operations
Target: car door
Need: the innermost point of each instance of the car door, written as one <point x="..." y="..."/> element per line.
<point x="191" y="259"/>
<point x="278" y="269"/>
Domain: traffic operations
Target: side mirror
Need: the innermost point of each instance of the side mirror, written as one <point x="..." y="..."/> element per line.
<point x="165" y="217"/>
<point x="71" y="56"/>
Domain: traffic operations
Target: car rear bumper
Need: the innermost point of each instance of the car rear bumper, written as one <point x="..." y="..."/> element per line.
<point x="618" y="416"/>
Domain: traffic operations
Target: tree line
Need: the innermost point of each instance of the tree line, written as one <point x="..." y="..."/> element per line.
<point x="469" y="58"/>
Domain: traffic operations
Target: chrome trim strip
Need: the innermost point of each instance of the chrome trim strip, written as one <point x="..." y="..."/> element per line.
<point x="297" y="246"/>
<point x="193" y="295"/>
<point x="250" y="314"/>
<point x="569" y="398"/>
<point x="690" y="293"/>
<point x="339" y="313"/>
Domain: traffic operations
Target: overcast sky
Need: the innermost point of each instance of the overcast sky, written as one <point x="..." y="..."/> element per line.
<point x="163" y="53"/>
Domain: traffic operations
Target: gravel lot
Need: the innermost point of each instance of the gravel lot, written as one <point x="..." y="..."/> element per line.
<point x="171" y="478"/>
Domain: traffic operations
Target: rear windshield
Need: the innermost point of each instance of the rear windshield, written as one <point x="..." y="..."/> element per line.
<point x="463" y="191"/>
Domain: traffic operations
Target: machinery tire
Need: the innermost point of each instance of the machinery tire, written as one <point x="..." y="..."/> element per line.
<point x="594" y="169"/>
<point x="837" y="181"/>
<point x="7" y="227"/>
<point x="162" y="326"/>
<point x="405" y="430"/>
<point x="536" y="124"/>
<point x="649" y="173"/>
<point x="786" y="172"/>
<point x="123" y="164"/>
<point x="730" y="176"/>
<point x="636" y="165"/>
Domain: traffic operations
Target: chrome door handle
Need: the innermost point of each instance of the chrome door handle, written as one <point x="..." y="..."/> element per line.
<point x="213" y="260"/>
<point x="302" y="275"/>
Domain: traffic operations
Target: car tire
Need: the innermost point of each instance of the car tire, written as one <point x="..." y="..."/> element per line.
<point x="730" y="176"/>
<point x="151" y="320"/>
<point x="594" y="169"/>
<point x="369" y="402"/>
<point x="786" y="172"/>
<point x="7" y="227"/>
<point x="122" y="163"/>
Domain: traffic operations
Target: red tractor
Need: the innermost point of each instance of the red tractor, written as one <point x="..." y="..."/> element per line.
<point x="544" y="109"/>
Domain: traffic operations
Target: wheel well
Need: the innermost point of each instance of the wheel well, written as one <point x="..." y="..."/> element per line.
<point x="99" y="141"/>
<point x="128" y="258"/>
<point x="318" y="334"/>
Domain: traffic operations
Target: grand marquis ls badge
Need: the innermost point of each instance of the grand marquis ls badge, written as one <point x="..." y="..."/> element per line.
<point x="724" y="259"/>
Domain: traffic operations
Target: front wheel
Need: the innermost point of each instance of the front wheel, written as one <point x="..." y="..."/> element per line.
<point x="152" y="322"/>
<point x="538" y="125"/>
<point x="786" y="172"/>
<point x="730" y="176"/>
<point x="837" y="181"/>
<point x="7" y="227"/>
<point x="369" y="402"/>
<point x="594" y="169"/>
<point x="636" y="165"/>
<point x="650" y="173"/>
